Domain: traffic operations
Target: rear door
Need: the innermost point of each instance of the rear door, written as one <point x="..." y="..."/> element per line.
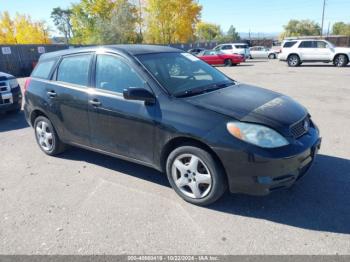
<point x="227" y="49"/>
<point x="68" y="93"/>
<point x="307" y="50"/>
<point x="120" y="126"/>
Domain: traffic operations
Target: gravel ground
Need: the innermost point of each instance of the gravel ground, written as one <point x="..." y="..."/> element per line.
<point x="85" y="203"/>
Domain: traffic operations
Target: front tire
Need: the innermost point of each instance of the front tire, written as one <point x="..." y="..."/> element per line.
<point x="341" y="60"/>
<point x="293" y="60"/>
<point x="272" y="56"/>
<point x="195" y="175"/>
<point x="46" y="137"/>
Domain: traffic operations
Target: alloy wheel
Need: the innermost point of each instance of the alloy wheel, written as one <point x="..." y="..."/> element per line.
<point x="191" y="176"/>
<point x="340" y="60"/>
<point x="44" y="136"/>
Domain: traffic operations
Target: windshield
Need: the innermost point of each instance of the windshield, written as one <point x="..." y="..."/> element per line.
<point x="183" y="74"/>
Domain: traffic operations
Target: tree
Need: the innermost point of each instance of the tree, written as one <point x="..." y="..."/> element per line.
<point x="171" y="21"/>
<point x="341" y="28"/>
<point x="232" y="34"/>
<point x="22" y="30"/>
<point x="62" y="20"/>
<point x="85" y="15"/>
<point x="93" y="21"/>
<point x="207" y="31"/>
<point x="121" y="28"/>
<point x="7" y="29"/>
<point x="301" y="28"/>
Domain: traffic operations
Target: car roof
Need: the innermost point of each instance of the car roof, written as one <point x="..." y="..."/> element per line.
<point x="303" y="39"/>
<point x="126" y="49"/>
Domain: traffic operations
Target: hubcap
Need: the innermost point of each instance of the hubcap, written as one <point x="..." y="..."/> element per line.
<point x="340" y="60"/>
<point x="191" y="176"/>
<point x="293" y="61"/>
<point x="44" y="135"/>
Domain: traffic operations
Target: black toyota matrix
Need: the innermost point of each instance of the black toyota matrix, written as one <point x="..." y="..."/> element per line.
<point x="164" y="108"/>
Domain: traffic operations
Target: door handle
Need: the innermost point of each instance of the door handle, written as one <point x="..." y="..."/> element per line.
<point x="51" y="93"/>
<point x="95" y="102"/>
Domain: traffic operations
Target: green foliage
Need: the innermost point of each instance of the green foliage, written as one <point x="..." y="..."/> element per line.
<point x="232" y="34"/>
<point x="62" y="20"/>
<point x="301" y="28"/>
<point x="121" y="28"/>
<point x="207" y="31"/>
<point x="341" y="28"/>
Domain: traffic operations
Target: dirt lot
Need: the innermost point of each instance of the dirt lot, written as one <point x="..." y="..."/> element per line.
<point x="86" y="203"/>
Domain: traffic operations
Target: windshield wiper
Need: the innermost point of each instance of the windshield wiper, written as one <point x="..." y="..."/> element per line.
<point x="202" y="90"/>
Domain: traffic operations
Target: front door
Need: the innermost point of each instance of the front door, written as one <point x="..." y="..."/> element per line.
<point x="324" y="52"/>
<point x="120" y="126"/>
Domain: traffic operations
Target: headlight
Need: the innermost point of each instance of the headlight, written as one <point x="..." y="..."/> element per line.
<point x="13" y="83"/>
<point x="256" y="134"/>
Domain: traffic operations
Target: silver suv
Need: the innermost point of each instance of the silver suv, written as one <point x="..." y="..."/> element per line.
<point x="295" y="52"/>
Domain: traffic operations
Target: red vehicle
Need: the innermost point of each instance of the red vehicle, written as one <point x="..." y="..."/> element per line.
<point x="219" y="58"/>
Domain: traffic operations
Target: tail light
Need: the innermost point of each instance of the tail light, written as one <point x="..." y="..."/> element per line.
<point x="26" y="84"/>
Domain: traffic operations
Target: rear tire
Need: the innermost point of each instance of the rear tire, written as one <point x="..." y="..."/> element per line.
<point x="228" y="62"/>
<point x="47" y="138"/>
<point x="195" y="175"/>
<point x="341" y="60"/>
<point x="293" y="60"/>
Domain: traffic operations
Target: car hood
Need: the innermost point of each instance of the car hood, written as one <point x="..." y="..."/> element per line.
<point x="4" y="76"/>
<point x="253" y="104"/>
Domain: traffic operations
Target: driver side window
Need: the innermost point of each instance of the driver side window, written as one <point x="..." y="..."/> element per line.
<point x="113" y="74"/>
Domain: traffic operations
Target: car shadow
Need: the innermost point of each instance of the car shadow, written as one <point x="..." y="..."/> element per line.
<point x="325" y="65"/>
<point x="12" y="121"/>
<point x="116" y="164"/>
<point x="320" y="201"/>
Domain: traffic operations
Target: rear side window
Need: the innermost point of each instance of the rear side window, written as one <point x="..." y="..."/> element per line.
<point x="113" y="74"/>
<point x="74" y="69"/>
<point x="321" y="44"/>
<point x="241" y="46"/>
<point x="226" y="47"/>
<point x="43" y="69"/>
<point x="306" y="44"/>
<point x="289" y="44"/>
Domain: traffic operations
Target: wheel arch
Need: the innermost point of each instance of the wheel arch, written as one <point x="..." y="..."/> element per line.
<point x="186" y="141"/>
<point x="36" y="113"/>
<point x="338" y="54"/>
<point x="293" y="54"/>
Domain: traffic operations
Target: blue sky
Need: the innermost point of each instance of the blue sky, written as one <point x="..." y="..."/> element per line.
<point x="262" y="16"/>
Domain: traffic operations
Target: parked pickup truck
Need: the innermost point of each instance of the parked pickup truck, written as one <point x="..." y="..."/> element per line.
<point x="296" y="52"/>
<point x="10" y="94"/>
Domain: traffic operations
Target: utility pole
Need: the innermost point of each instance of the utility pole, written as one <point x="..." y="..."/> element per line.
<point x="324" y="7"/>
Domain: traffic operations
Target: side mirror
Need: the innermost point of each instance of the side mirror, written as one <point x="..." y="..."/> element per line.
<point x="141" y="94"/>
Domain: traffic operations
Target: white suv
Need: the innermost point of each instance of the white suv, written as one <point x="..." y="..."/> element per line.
<point x="295" y="52"/>
<point x="234" y="48"/>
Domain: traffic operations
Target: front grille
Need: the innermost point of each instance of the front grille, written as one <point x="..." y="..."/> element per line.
<point x="300" y="128"/>
<point x="3" y="87"/>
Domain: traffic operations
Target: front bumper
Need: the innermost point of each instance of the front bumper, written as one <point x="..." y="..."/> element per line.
<point x="253" y="174"/>
<point x="11" y="100"/>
